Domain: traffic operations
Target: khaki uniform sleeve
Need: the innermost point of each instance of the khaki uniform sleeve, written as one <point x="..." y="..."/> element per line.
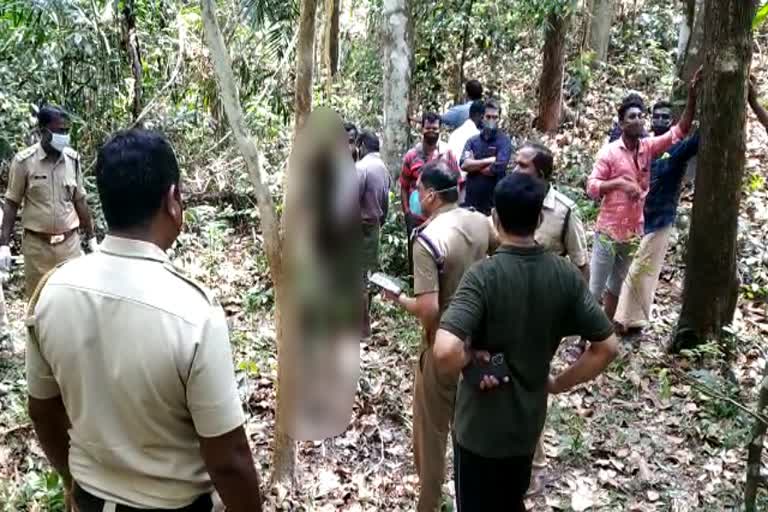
<point x="425" y="275"/>
<point x="80" y="189"/>
<point x="41" y="383"/>
<point x="576" y="240"/>
<point x="212" y="395"/>
<point x="17" y="182"/>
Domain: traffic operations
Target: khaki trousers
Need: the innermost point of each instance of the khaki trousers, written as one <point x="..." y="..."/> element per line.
<point x="639" y="287"/>
<point x="40" y="257"/>
<point x="433" y="403"/>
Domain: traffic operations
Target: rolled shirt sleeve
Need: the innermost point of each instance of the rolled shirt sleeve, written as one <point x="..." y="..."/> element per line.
<point x="212" y="395"/>
<point x="41" y="383"/>
<point x="425" y="275"/>
<point x="467" y="307"/>
<point x="17" y="182"/>
<point x="576" y="240"/>
<point x="601" y="171"/>
<point x="658" y="145"/>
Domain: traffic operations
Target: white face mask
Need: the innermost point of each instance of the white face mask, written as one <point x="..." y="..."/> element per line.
<point x="59" y="141"/>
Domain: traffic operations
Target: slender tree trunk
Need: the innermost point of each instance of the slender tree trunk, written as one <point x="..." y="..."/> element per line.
<point x="464" y="44"/>
<point x="711" y="287"/>
<point x="305" y="53"/>
<point x="397" y="78"/>
<point x="755" y="448"/>
<point x="600" y="28"/>
<point x="552" y="72"/>
<point x="284" y="454"/>
<point x="131" y="43"/>
<point x="691" y="47"/>
<point x="332" y="8"/>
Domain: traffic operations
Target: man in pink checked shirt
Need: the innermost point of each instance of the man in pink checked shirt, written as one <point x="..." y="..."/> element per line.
<point x="620" y="180"/>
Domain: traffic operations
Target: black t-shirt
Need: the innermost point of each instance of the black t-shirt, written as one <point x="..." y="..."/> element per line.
<point x="521" y="302"/>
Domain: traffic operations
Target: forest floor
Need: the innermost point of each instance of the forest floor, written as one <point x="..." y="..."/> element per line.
<point x="653" y="433"/>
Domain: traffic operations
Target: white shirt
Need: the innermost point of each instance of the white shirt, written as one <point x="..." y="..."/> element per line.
<point x="459" y="138"/>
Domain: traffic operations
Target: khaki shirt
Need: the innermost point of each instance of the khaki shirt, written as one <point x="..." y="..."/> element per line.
<point x="564" y="240"/>
<point x="141" y="358"/>
<point x="461" y="237"/>
<point x="48" y="188"/>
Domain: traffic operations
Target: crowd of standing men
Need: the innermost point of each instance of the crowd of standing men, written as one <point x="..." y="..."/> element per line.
<point x="138" y="409"/>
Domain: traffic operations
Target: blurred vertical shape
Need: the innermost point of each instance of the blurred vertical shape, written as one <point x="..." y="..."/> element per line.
<point x="305" y="61"/>
<point x="323" y="258"/>
<point x="397" y="78"/>
<point x="600" y="28"/>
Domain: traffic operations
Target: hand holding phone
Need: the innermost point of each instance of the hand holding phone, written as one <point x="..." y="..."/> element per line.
<point x="487" y="372"/>
<point x="386" y="282"/>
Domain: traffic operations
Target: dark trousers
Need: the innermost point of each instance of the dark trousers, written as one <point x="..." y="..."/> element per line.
<point x="87" y="502"/>
<point x="490" y="484"/>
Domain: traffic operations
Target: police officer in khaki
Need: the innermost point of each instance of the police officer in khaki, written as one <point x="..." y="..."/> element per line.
<point x="450" y="240"/>
<point x="131" y="380"/>
<point x="47" y="179"/>
<point x="561" y="231"/>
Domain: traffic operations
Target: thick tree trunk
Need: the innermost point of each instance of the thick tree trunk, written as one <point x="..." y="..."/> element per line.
<point x="755" y="448"/>
<point x="711" y="286"/>
<point x="131" y="43"/>
<point x="600" y="28"/>
<point x="552" y="71"/>
<point x="397" y="78"/>
<point x="331" y="39"/>
<point x="284" y="454"/>
<point x="305" y="56"/>
<point x="690" y="47"/>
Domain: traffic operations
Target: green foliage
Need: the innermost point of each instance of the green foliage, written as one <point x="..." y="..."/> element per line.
<point x="760" y="16"/>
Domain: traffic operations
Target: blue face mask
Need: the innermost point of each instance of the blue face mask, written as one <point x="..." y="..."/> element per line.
<point x="414" y="202"/>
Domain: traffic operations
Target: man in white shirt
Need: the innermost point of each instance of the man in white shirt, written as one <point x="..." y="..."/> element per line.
<point x="463" y="133"/>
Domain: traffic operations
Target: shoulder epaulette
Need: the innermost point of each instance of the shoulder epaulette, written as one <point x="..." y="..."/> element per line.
<point x="567" y="201"/>
<point x="25" y="153"/>
<point x="210" y="297"/>
<point x="71" y="153"/>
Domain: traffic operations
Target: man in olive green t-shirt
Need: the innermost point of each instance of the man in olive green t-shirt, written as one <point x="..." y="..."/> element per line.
<point x="518" y="303"/>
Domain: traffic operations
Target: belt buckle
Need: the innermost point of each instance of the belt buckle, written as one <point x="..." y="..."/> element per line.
<point x="57" y="239"/>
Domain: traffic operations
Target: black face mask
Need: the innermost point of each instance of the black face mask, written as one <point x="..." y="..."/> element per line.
<point x="431" y="137"/>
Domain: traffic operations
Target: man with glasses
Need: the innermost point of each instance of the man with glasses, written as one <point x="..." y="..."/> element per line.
<point x="47" y="178"/>
<point x="620" y="180"/>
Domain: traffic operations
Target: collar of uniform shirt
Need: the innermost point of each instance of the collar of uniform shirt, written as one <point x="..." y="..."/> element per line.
<point x="549" y="199"/>
<point x="132" y="248"/>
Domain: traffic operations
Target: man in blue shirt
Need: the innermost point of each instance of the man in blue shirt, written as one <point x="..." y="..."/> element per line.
<point x="660" y="210"/>
<point x="485" y="160"/>
<point x="458" y="114"/>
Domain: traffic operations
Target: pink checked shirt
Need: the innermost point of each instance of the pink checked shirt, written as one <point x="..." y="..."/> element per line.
<point x="621" y="218"/>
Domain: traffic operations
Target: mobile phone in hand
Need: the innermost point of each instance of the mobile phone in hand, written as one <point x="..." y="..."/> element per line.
<point x="497" y="367"/>
<point x="386" y="282"/>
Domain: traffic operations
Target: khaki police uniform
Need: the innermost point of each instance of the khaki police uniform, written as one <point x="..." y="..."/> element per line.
<point x="561" y="229"/>
<point x="562" y="232"/>
<point x="148" y="372"/>
<point x="443" y="249"/>
<point x="48" y="188"/>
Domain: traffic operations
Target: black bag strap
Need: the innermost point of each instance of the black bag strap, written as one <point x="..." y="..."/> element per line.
<point x="433" y="251"/>
<point x="564" y="233"/>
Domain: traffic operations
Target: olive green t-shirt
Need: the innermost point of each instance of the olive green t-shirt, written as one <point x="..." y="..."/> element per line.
<point x="520" y="302"/>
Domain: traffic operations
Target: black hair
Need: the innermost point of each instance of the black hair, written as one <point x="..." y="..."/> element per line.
<point x="474" y="89"/>
<point x="477" y="108"/>
<point x="48" y="113"/>
<point x="543" y="161"/>
<point x="429" y="117"/>
<point x="438" y="176"/>
<point x="628" y="104"/>
<point x="368" y="140"/>
<point x="350" y="127"/>
<point x="663" y="104"/>
<point x="493" y="105"/>
<point x="518" y="198"/>
<point x="134" y="170"/>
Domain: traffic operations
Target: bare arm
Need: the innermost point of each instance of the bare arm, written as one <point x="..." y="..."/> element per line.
<point x="472" y="165"/>
<point x="86" y="221"/>
<point x="584" y="269"/>
<point x="686" y="119"/>
<point x="51" y="423"/>
<point x="425" y="307"/>
<point x="10" y="209"/>
<point x="592" y="362"/>
<point x="451" y="353"/>
<point x="229" y="461"/>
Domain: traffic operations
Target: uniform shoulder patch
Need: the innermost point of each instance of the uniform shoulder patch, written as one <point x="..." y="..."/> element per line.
<point x="26" y="153"/>
<point x="210" y="297"/>
<point x="564" y="199"/>
<point x="71" y="153"/>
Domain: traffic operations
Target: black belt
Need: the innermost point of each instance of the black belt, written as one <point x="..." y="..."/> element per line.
<point x="87" y="502"/>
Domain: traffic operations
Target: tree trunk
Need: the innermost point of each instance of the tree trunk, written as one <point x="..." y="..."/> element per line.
<point x="755" y="448"/>
<point x="332" y="8"/>
<point x="710" y="289"/>
<point x="284" y="450"/>
<point x="552" y="72"/>
<point x="463" y="58"/>
<point x="397" y="78"/>
<point x="305" y="56"/>
<point x="691" y="48"/>
<point x="131" y="44"/>
<point x="600" y="28"/>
